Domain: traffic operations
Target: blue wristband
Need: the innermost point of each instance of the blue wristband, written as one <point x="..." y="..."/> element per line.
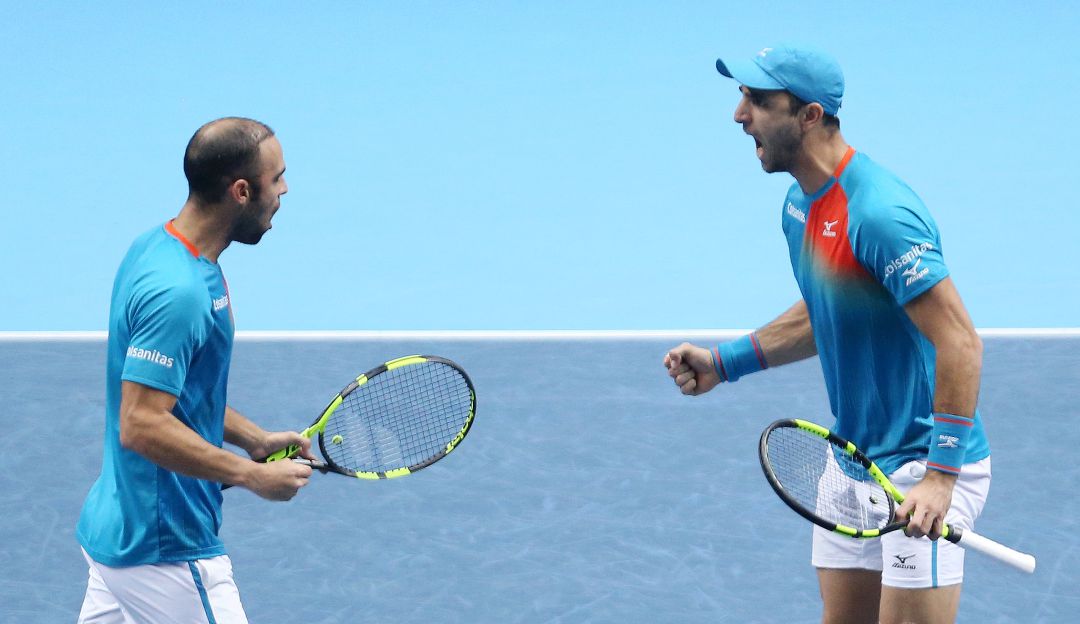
<point x="949" y="442"/>
<point x="739" y="357"/>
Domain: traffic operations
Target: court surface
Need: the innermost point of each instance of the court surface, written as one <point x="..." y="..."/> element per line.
<point x="589" y="490"/>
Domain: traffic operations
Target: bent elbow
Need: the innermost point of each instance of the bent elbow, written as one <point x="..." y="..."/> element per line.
<point x="128" y="440"/>
<point x="132" y="433"/>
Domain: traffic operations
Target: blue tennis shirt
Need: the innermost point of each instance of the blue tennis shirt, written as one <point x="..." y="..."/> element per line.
<point x="170" y="328"/>
<point x="862" y="247"/>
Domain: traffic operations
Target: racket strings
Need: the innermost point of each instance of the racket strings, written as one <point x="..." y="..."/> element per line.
<point x="401" y="418"/>
<point x="825" y="481"/>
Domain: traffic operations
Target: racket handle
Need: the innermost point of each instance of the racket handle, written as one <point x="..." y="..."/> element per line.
<point x="284" y="453"/>
<point x="973" y="541"/>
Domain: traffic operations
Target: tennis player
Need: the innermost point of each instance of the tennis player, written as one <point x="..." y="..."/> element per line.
<point x="149" y="525"/>
<point x="900" y="355"/>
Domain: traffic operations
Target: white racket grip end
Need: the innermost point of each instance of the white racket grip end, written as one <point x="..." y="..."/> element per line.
<point x="973" y="541"/>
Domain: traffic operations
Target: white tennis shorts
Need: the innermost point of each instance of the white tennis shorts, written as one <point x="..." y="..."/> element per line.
<point x="185" y="592"/>
<point x="906" y="562"/>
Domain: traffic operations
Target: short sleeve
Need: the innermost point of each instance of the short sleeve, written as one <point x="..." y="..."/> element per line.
<point x="901" y="247"/>
<point x="167" y="328"/>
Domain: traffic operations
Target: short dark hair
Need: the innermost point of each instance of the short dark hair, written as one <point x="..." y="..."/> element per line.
<point x="829" y="121"/>
<point x="221" y="152"/>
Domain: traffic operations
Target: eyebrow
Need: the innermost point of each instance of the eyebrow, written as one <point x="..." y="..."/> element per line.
<point x="763" y="97"/>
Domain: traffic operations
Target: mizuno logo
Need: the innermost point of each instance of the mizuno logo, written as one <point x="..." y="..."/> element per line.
<point x="150" y="355"/>
<point x="828" y="231"/>
<point x="914" y="270"/>
<point x="948" y="441"/>
<point x="901" y="562"/>
<point x="914" y="274"/>
<point x="764" y="52"/>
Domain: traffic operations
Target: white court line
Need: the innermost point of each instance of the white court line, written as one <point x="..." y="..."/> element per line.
<point x="509" y="334"/>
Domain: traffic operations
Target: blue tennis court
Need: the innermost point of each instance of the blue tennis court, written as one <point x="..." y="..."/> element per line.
<point x="588" y="491"/>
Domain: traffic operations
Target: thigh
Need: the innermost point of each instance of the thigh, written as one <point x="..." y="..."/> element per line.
<point x="920" y="606"/>
<point x="99" y="605"/>
<point x="216" y="576"/>
<point x="910" y="563"/>
<point x="849" y="596"/>
<point x="846" y="500"/>
<point x="834" y="551"/>
<point x="849" y="577"/>
<point x="186" y="592"/>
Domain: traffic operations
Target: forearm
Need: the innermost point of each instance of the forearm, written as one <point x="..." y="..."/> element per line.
<point x="243" y="432"/>
<point x="788" y="338"/>
<point x="941" y="317"/>
<point x="163" y="439"/>
<point x="958" y="370"/>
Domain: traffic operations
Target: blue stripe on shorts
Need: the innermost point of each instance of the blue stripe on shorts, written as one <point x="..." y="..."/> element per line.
<point x="202" y="592"/>
<point x="933" y="564"/>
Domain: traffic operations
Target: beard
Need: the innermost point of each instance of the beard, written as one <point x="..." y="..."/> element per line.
<point x="781" y="149"/>
<point x="254" y="221"/>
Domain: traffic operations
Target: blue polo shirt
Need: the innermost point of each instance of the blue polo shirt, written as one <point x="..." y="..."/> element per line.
<point x="862" y="247"/>
<point x="170" y="328"/>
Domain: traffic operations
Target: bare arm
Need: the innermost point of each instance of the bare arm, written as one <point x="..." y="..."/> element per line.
<point x="241" y="431"/>
<point x="940" y="315"/>
<point x="789" y="337"/>
<point x="257" y="442"/>
<point x="786" y="339"/>
<point x="148" y="427"/>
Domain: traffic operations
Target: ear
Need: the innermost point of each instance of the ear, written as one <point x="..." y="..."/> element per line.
<point x="240" y="191"/>
<point x="812" y="114"/>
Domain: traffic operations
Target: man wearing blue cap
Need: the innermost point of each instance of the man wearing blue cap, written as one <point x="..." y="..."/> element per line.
<point x="900" y="356"/>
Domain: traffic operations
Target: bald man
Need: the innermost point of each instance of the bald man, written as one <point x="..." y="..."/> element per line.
<point x="149" y="525"/>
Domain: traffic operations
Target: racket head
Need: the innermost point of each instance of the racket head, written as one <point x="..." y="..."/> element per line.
<point x="398" y="418"/>
<point x="827" y="480"/>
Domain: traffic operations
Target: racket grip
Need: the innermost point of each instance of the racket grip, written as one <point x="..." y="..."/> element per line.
<point x="973" y="541"/>
<point x="284" y="453"/>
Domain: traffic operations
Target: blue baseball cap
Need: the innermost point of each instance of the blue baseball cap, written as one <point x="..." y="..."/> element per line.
<point x="811" y="75"/>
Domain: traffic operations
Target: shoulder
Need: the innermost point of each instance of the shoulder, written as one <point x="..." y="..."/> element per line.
<point x="867" y="183"/>
<point x="157" y="253"/>
<point x="879" y="201"/>
<point x="158" y="269"/>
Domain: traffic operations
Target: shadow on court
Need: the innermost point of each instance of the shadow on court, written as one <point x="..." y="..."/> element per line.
<point x="589" y="490"/>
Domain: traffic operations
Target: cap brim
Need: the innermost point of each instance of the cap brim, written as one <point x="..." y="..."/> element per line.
<point x="748" y="73"/>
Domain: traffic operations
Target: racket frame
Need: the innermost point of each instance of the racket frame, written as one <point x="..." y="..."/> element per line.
<point x="319" y="426"/>
<point x="967" y="539"/>
<point x="853" y="453"/>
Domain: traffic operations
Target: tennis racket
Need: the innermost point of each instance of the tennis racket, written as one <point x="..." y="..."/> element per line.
<point x="828" y="481"/>
<point x="395" y="419"/>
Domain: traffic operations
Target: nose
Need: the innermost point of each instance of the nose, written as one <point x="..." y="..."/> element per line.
<point x="284" y="186"/>
<point x="742" y="112"/>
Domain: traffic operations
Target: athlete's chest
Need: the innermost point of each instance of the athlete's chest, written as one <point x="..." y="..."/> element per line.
<point x="818" y="236"/>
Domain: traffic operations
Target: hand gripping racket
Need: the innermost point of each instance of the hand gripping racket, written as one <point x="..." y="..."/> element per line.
<point x="828" y="481"/>
<point x="393" y="420"/>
